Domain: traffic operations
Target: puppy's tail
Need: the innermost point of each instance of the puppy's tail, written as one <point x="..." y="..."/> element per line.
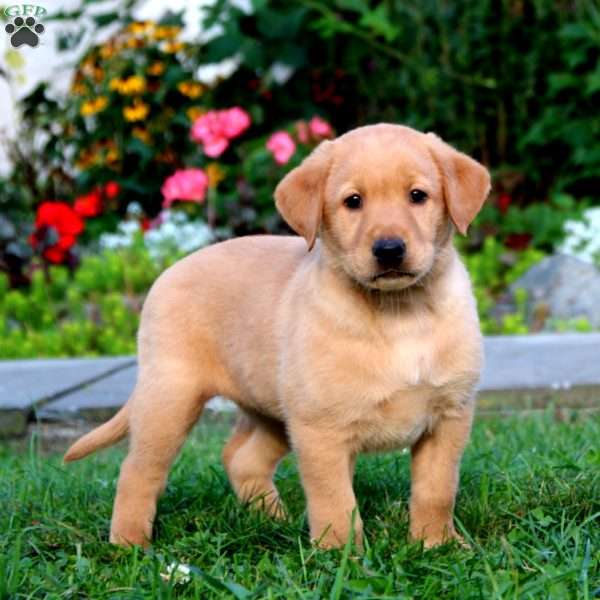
<point x="106" y="435"/>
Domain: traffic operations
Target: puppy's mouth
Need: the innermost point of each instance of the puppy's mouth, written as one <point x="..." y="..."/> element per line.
<point x="394" y="274"/>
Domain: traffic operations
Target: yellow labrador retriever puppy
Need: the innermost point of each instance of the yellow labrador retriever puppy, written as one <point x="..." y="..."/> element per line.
<point x="368" y="342"/>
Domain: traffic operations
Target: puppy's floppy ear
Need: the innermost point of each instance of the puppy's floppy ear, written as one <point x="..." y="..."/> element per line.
<point x="466" y="182"/>
<point x="299" y="195"/>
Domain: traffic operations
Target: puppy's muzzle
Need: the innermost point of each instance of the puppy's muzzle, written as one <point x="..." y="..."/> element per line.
<point x="389" y="252"/>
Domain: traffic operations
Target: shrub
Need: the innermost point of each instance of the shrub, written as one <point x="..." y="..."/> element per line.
<point x="512" y="83"/>
<point x="93" y="311"/>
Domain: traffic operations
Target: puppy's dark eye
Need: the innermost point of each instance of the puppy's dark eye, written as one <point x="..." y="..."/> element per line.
<point x="418" y="196"/>
<point x="353" y="202"/>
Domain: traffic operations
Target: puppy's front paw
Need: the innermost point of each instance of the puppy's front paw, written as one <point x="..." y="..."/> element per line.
<point x="433" y="542"/>
<point x="331" y="538"/>
<point x="271" y="505"/>
<point x="130" y="534"/>
<point x="441" y="536"/>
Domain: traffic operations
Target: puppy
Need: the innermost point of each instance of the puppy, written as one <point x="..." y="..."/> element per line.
<point x="370" y="341"/>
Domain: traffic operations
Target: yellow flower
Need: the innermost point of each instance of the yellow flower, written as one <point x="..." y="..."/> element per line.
<point x="156" y="68"/>
<point x="99" y="74"/>
<point x="114" y="84"/>
<point x="108" y="50"/>
<point x="142" y="134"/>
<point x="78" y="89"/>
<point x="135" y="43"/>
<point x="137" y="112"/>
<point x="87" y="158"/>
<point x="91" y="107"/>
<point x="172" y="47"/>
<point x="215" y="174"/>
<point x="112" y="156"/>
<point x="104" y="151"/>
<point x="191" y="89"/>
<point x="135" y="84"/>
<point x="166" y="32"/>
<point x="132" y="85"/>
<point x="194" y="112"/>
<point x="140" y="27"/>
<point x="88" y="66"/>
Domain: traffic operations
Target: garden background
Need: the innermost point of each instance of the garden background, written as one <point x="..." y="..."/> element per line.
<point x="169" y="138"/>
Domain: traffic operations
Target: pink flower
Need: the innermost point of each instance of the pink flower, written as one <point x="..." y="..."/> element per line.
<point x="234" y="121"/>
<point x="282" y="146"/>
<point x="207" y="130"/>
<point x="185" y="184"/>
<point x="216" y="128"/>
<point x="320" y="128"/>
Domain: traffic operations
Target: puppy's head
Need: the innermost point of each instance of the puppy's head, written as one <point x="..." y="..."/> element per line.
<point x="384" y="199"/>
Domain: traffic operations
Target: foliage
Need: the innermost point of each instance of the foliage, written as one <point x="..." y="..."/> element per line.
<point x="515" y="84"/>
<point x="15" y="252"/>
<point x="54" y="525"/>
<point x="540" y="225"/>
<point x="512" y="83"/>
<point x="492" y="270"/>
<point x="95" y="311"/>
<point x="127" y="117"/>
<point x="95" y="308"/>
<point x="139" y="120"/>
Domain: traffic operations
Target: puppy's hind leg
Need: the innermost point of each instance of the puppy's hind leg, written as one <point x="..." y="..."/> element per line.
<point x="251" y="456"/>
<point x="166" y="403"/>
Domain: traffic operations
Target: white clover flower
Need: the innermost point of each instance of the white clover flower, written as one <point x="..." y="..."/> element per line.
<point x="129" y="228"/>
<point x="177" y="234"/>
<point x="134" y="209"/>
<point x="174" y="234"/>
<point x="582" y="238"/>
<point x="177" y="573"/>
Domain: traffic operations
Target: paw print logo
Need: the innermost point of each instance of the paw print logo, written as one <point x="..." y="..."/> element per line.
<point x="24" y="31"/>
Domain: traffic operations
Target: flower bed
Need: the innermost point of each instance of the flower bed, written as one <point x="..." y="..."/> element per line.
<point x="144" y="161"/>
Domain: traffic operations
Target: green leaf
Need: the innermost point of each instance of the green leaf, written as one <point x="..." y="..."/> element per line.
<point x="359" y="6"/>
<point x="293" y="55"/>
<point x="280" y="25"/>
<point x="592" y="82"/>
<point x="378" y="21"/>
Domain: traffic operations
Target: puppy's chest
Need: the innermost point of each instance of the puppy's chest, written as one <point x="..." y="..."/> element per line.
<point x="408" y="388"/>
<point x="420" y="361"/>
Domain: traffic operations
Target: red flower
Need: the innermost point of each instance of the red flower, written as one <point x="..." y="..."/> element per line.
<point x="112" y="189"/>
<point x="55" y="220"/>
<point x="89" y="205"/>
<point x="517" y="241"/>
<point x="504" y="201"/>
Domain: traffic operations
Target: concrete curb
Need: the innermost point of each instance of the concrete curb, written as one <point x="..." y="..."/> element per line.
<point x="521" y="373"/>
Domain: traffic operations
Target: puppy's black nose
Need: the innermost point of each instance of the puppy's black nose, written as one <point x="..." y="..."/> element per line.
<point x="389" y="251"/>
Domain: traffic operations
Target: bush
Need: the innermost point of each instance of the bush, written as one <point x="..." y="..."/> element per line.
<point x="515" y="84"/>
<point x="94" y="312"/>
<point x="512" y="83"/>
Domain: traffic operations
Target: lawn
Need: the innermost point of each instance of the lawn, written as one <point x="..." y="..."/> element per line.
<point x="529" y="506"/>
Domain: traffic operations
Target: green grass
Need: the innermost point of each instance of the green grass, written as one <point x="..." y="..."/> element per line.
<point x="529" y="505"/>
